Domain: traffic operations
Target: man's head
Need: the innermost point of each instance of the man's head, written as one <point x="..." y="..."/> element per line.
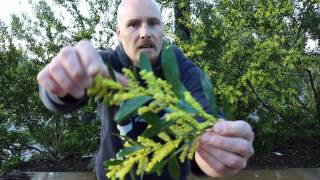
<point x="140" y="28"/>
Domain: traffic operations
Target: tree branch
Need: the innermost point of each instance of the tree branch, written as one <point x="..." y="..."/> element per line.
<point x="264" y="104"/>
<point x="313" y="87"/>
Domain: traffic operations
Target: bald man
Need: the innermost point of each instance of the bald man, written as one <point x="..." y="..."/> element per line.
<point x="222" y="151"/>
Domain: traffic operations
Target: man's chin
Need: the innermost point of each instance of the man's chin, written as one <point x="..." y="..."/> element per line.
<point x="151" y="54"/>
<point x="147" y="51"/>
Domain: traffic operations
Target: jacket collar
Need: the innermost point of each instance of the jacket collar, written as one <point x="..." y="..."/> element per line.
<point x="123" y="57"/>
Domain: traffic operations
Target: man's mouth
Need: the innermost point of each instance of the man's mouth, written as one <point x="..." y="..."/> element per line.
<point x="146" y="46"/>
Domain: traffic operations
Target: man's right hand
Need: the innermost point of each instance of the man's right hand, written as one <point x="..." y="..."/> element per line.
<point x="73" y="70"/>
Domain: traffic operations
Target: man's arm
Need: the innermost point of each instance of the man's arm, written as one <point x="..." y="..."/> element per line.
<point x="60" y="104"/>
<point x="63" y="82"/>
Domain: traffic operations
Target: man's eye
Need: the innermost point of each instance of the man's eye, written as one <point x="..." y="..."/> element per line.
<point x="133" y="25"/>
<point x="152" y="23"/>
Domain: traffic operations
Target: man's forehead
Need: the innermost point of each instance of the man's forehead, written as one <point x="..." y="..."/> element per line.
<point x="137" y="9"/>
<point x="139" y="2"/>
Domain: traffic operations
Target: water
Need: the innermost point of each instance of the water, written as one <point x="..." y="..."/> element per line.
<point x="282" y="174"/>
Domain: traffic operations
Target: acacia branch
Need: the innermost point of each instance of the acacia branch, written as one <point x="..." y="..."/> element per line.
<point x="315" y="93"/>
<point x="303" y="105"/>
<point x="313" y="87"/>
<point x="264" y="104"/>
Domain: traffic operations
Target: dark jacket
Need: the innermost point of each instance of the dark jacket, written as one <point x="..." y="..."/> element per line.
<point x="189" y="76"/>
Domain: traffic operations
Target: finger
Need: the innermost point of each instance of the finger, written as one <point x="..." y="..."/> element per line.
<point x="217" y="169"/>
<point x="234" y="128"/>
<point x="72" y="65"/>
<point x="90" y="58"/>
<point x="44" y="79"/>
<point x="228" y="159"/>
<point x="121" y="78"/>
<point x="58" y="73"/>
<point x="231" y="144"/>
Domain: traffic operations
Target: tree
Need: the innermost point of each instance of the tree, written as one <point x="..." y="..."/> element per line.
<point x="26" y="47"/>
<point x="255" y="53"/>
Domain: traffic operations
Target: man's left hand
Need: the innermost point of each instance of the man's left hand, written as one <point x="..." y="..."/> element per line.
<point x="225" y="149"/>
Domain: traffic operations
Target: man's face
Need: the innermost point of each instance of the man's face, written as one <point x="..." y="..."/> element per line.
<point x="140" y="29"/>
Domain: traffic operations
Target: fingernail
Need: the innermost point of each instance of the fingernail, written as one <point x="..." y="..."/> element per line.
<point x="218" y="128"/>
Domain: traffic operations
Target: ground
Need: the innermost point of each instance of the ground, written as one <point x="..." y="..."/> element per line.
<point x="291" y="155"/>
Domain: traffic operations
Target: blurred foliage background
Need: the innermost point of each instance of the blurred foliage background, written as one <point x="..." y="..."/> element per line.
<point x="255" y="53"/>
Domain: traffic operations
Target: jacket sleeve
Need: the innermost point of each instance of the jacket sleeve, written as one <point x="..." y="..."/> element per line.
<point x="58" y="104"/>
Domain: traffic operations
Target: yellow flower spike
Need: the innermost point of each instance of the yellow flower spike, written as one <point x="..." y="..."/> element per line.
<point x="108" y="83"/>
<point x="193" y="148"/>
<point x="162" y="152"/>
<point x="143" y="110"/>
<point x="184" y="125"/>
<point x="195" y="104"/>
<point x="128" y="74"/>
<point x="204" y="125"/>
<point x="113" y="171"/>
<point x="148" y="142"/>
<point x="127" y="166"/>
<point x="181" y="129"/>
<point x="193" y="122"/>
<point x="164" y="136"/>
<point x="184" y="153"/>
<point x="143" y="161"/>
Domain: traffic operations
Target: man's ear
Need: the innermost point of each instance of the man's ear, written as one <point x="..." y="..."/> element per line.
<point x="118" y="31"/>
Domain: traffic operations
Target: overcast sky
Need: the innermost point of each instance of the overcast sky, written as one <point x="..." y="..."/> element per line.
<point x="8" y="7"/>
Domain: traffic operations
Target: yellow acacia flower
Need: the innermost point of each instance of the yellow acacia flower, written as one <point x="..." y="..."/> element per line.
<point x="148" y="142"/>
<point x="143" y="161"/>
<point x="162" y="152"/>
<point x="184" y="127"/>
<point x="164" y="136"/>
<point x="127" y="166"/>
<point x="193" y="148"/>
<point x="188" y="97"/>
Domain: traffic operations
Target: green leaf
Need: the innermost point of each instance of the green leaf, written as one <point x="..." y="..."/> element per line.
<point x="132" y="175"/>
<point x="151" y="118"/>
<point x="126" y="151"/>
<point x="170" y="68"/>
<point x="209" y="93"/>
<point x="145" y="62"/>
<point x="157" y="125"/>
<point x="111" y="71"/>
<point x="112" y="162"/>
<point x="174" y="168"/>
<point x="130" y="107"/>
<point x="227" y="111"/>
<point x="184" y="105"/>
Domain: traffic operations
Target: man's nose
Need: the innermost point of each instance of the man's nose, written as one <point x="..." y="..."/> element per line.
<point x="145" y="32"/>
